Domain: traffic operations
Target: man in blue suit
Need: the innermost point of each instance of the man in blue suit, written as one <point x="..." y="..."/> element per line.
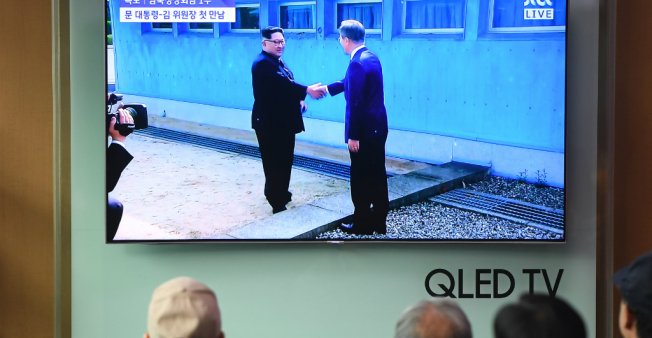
<point x="365" y="131"/>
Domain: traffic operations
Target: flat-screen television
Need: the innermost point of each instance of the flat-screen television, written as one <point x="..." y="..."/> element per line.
<point x="244" y="134"/>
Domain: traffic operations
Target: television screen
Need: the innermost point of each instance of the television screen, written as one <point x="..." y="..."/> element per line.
<point x="335" y="120"/>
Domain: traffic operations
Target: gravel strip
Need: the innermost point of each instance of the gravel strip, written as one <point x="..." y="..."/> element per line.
<point x="546" y="196"/>
<point x="432" y="221"/>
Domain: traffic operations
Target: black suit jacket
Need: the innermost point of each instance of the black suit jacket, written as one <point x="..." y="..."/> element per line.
<point x="276" y="96"/>
<point x="366" y="117"/>
<point x="117" y="159"/>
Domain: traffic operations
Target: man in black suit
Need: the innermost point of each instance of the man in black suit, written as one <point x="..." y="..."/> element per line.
<point x="117" y="159"/>
<point x="276" y="115"/>
<point x="365" y="131"/>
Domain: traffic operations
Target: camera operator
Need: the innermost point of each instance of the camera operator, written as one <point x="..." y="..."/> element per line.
<point x="117" y="159"/>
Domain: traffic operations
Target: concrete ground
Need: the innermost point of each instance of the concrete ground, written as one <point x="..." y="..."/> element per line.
<point x="178" y="191"/>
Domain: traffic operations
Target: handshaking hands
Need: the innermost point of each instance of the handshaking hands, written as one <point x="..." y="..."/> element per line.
<point x="317" y="91"/>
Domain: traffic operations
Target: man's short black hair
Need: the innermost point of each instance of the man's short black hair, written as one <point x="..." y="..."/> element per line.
<point x="538" y="315"/>
<point x="269" y="30"/>
<point x="643" y="324"/>
<point x="353" y="30"/>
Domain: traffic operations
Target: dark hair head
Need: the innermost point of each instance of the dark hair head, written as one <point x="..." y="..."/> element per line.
<point x="633" y="281"/>
<point x="538" y="316"/>
<point x="643" y="323"/>
<point x="353" y="30"/>
<point x="269" y="30"/>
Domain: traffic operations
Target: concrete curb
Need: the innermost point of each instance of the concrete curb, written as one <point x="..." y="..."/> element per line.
<point x="307" y="221"/>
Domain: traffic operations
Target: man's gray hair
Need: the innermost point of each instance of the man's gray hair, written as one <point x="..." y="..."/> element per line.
<point x="433" y="319"/>
<point x="353" y="30"/>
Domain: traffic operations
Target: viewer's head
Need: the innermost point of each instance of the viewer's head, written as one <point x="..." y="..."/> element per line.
<point x="183" y="308"/>
<point x="351" y="35"/>
<point x="538" y="316"/>
<point x="433" y="319"/>
<point x="273" y="40"/>
<point x="635" y="285"/>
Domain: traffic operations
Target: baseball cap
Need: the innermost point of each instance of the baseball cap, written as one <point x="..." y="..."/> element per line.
<point x="183" y="308"/>
<point x="635" y="283"/>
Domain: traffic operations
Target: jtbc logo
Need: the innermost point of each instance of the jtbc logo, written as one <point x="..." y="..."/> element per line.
<point x="538" y="3"/>
<point x="538" y="13"/>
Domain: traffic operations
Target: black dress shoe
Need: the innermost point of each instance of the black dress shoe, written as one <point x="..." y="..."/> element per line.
<point x="279" y="209"/>
<point x="355" y="229"/>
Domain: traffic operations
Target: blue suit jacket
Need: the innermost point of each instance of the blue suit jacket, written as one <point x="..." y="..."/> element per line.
<point x="366" y="117"/>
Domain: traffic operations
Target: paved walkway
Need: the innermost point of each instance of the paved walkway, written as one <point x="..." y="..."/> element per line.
<point x="178" y="191"/>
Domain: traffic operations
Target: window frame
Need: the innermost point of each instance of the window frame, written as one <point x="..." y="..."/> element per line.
<point x="520" y="30"/>
<point x="161" y="30"/>
<point x="201" y="30"/>
<point x="299" y="30"/>
<point x="442" y="31"/>
<point x="367" y="30"/>
<point x="246" y="30"/>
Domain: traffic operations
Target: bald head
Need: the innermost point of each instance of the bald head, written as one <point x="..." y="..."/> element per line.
<point x="433" y="319"/>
